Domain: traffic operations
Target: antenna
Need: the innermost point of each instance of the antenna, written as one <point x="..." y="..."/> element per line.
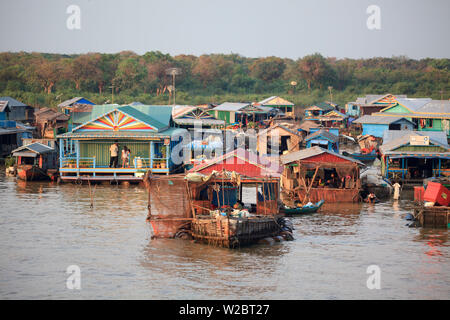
<point x="173" y="72"/>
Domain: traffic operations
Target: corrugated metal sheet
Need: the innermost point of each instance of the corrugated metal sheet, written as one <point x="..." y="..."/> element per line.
<point x="100" y="149"/>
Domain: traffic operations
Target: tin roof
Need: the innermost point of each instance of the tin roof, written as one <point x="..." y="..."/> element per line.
<point x="323" y="133"/>
<point x="269" y="167"/>
<point x="275" y="101"/>
<point x="123" y="134"/>
<point x="70" y="102"/>
<point x="437" y="136"/>
<point x="4" y="106"/>
<point x="311" y="152"/>
<point x="36" y="147"/>
<point x="231" y="106"/>
<point x="13" y="102"/>
<point x="378" y="119"/>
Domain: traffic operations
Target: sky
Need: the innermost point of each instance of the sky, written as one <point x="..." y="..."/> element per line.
<point x="252" y="28"/>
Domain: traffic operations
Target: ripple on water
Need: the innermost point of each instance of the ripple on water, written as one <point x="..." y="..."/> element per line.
<point x="45" y="227"/>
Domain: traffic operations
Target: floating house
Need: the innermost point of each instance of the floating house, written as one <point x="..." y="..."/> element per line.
<point x="333" y="118"/>
<point x="323" y="138"/>
<point x="11" y="135"/>
<point x="217" y="183"/>
<point x="36" y="161"/>
<point x="414" y="155"/>
<point x="315" y="111"/>
<point x="147" y="131"/>
<point x="49" y="123"/>
<point x="370" y="104"/>
<point x="425" y="113"/>
<point x="19" y="111"/>
<point x="278" y="139"/>
<point x="188" y="116"/>
<point x="377" y="125"/>
<point x="315" y="174"/>
<point x="68" y="105"/>
<point x="284" y="105"/>
<point x="242" y="113"/>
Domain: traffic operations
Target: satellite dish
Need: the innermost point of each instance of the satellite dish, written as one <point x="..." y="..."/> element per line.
<point x="173" y="71"/>
<point x="293" y="83"/>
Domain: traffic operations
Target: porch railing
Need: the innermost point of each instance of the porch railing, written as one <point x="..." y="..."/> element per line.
<point x="83" y="162"/>
<point x="90" y="162"/>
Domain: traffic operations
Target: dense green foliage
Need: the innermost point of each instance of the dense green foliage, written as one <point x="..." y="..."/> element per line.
<point x="41" y="79"/>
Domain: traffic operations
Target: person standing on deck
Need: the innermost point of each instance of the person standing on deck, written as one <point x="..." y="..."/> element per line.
<point x="114" y="159"/>
<point x="397" y="188"/>
<point x="125" y="157"/>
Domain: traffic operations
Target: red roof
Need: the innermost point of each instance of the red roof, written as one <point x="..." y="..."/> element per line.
<point x="242" y="161"/>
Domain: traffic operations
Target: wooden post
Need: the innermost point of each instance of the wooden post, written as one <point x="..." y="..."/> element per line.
<point x="149" y="188"/>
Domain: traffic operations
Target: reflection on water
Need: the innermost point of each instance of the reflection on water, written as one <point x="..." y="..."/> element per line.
<point x="46" y="227"/>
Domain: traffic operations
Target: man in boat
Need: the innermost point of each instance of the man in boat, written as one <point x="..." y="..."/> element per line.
<point x="371" y="198"/>
<point x="114" y="159"/>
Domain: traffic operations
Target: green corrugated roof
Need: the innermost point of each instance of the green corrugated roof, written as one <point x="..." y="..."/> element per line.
<point x="146" y="118"/>
<point x="156" y="116"/>
<point x="124" y="134"/>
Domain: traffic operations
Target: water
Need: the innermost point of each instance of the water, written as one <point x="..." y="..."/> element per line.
<point x="46" y="227"/>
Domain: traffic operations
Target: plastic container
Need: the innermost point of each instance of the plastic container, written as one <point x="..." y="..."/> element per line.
<point x="436" y="192"/>
<point x="418" y="193"/>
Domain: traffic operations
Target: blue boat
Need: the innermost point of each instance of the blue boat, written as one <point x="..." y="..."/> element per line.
<point x="304" y="209"/>
<point x="361" y="156"/>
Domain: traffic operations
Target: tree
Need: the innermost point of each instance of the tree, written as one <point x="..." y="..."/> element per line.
<point x="44" y="73"/>
<point x="205" y="69"/>
<point x="315" y="69"/>
<point x="268" y="69"/>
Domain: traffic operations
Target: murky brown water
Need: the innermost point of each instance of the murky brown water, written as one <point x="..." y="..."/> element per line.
<point x="45" y="227"/>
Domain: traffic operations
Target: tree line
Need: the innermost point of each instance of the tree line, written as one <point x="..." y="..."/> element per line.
<point x="46" y="79"/>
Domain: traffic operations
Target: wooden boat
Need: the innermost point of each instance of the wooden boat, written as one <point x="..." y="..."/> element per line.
<point x="35" y="161"/>
<point x="362" y="156"/>
<point x="304" y="209"/>
<point x="29" y="172"/>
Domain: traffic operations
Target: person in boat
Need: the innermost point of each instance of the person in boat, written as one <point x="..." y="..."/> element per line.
<point x="238" y="205"/>
<point x="320" y="183"/>
<point x="114" y="158"/>
<point x="371" y="198"/>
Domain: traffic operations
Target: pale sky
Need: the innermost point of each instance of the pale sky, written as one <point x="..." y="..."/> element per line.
<point x="253" y="28"/>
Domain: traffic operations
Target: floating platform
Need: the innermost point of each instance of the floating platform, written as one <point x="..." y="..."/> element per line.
<point x="232" y="232"/>
<point x="112" y="179"/>
<point x="432" y="217"/>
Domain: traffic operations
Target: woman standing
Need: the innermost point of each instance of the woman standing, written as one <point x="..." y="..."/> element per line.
<point x="125" y="155"/>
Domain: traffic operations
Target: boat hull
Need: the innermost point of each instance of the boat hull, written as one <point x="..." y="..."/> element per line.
<point x="303" y="210"/>
<point x="31" y="173"/>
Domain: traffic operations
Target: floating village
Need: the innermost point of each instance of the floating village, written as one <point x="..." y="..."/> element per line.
<point x="196" y="161"/>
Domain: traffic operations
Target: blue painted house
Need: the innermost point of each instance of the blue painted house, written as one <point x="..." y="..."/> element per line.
<point x="324" y="139"/>
<point x="148" y="131"/>
<point x="377" y="125"/>
<point x="415" y="154"/>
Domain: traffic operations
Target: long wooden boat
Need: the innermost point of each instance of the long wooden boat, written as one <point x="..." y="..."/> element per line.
<point x="304" y="209"/>
<point x="31" y="173"/>
<point x="361" y="156"/>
